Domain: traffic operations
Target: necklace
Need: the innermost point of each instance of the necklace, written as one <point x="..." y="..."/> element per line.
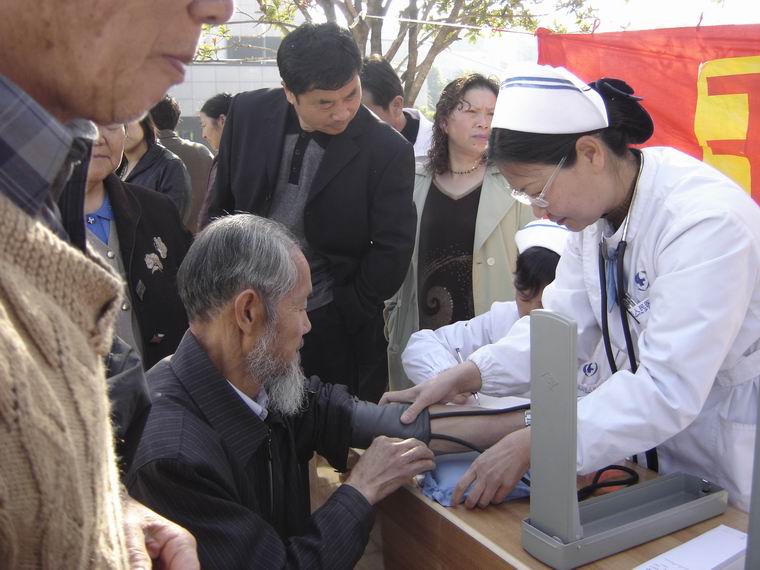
<point x="469" y="170"/>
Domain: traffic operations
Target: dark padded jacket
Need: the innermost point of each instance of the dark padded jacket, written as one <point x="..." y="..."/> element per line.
<point x="241" y="485"/>
<point x="149" y="226"/>
<point x="161" y="170"/>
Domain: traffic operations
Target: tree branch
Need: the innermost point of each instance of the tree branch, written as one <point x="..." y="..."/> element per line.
<point x="329" y="9"/>
<point x="375" y="8"/>
<point x="444" y="38"/>
<point x="396" y="44"/>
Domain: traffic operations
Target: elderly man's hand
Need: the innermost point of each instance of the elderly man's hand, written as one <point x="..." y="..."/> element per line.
<point x="387" y="464"/>
<point x="452" y="385"/>
<point x="151" y="537"/>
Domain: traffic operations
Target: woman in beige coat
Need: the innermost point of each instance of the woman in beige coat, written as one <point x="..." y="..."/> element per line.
<point x="465" y="250"/>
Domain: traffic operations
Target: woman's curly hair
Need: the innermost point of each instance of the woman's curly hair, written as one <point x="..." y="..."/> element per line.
<point x="451" y="99"/>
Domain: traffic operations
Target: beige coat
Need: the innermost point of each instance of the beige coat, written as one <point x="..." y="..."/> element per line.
<point x="494" y="257"/>
<point x="60" y="503"/>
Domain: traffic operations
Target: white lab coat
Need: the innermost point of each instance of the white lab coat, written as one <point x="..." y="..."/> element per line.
<point x="693" y="267"/>
<point x="424" y="136"/>
<point x="430" y="352"/>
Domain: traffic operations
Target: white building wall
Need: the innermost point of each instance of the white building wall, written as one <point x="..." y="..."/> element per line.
<point x="204" y="80"/>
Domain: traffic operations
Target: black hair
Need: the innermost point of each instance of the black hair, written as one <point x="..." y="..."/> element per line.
<point x="318" y="56"/>
<point x="535" y="269"/>
<point x="149" y="130"/>
<point x="379" y="79"/>
<point x="217" y="106"/>
<point x="165" y="113"/>
<point x="629" y="123"/>
<point x="451" y="99"/>
<point x="149" y="134"/>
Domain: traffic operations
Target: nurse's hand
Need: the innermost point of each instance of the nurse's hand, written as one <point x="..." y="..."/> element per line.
<point x="449" y="386"/>
<point x="496" y="471"/>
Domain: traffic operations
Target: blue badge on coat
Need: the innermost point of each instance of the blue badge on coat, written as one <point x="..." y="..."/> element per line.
<point x="590" y="368"/>
<point x="642" y="283"/>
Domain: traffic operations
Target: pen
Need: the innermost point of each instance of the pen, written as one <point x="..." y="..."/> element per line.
<point x="461" y="361"/>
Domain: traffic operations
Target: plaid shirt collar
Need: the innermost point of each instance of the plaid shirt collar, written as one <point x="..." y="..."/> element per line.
<point x="38" y="155"/>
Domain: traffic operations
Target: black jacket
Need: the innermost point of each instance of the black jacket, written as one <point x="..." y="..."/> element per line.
<point x="197" y="159"/>
<point x="161" y="170"/>
<point x="359" y="214"/>
<point x="241" y="485"/>
<point x="148" y="225"/>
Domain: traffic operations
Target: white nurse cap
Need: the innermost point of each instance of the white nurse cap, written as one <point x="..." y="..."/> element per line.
<point x="542" y="233"/>
<point x="547" y="100"/>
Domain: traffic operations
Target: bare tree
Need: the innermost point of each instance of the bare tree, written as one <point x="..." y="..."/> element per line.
<point x="427" y="27"/>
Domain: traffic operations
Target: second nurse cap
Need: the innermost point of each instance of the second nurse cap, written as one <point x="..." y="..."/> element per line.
<point x="542" y="233"/>
<point x="547" y="100"/>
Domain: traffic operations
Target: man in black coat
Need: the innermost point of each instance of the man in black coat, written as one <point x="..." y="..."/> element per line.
<point x="312" y="157"/>
<point x="233" y="421"/>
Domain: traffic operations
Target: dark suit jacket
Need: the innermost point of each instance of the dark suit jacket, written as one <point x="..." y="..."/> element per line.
<point x="142" y="217"/>
<point x="359" y="213"/>
<point x="241" y="485"/>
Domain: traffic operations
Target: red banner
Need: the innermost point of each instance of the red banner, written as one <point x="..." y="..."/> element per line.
<point x="701" y="86"/>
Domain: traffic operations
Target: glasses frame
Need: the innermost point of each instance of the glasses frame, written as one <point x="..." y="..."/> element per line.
<point x="538" y="201"/>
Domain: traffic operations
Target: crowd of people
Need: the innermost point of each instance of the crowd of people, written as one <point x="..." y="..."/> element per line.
<point x="182" y="329"/>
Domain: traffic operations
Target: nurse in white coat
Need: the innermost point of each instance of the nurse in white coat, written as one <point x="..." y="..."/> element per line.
<point x="691" y="284"/>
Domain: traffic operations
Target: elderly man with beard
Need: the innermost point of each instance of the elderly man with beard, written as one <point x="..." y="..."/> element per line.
<point x="233" y="423"/>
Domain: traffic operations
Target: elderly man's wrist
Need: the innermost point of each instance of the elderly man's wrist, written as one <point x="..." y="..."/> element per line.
<point x="365" y="490"/>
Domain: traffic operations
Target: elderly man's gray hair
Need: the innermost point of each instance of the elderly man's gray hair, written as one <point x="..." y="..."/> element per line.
<point x="232" y="254"/>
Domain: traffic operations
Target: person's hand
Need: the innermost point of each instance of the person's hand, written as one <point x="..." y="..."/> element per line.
<point x="387" y="464"/>
<point x="496" y="471"/>
<point x="156" y="542"/>
<point x="448" y="386"/>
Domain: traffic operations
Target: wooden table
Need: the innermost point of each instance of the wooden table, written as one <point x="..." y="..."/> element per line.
<point x="418" y="533"/>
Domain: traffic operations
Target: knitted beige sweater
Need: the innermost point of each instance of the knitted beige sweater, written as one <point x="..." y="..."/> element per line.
<point x="59" y="495"/>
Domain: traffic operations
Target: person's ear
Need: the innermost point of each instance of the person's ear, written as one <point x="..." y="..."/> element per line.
<point x="250" y="313"/>
<point x="289" y="95"/>
<point x="591" y="152"/>
<point x="221" y="120"/>
<point x="396" y="106"/>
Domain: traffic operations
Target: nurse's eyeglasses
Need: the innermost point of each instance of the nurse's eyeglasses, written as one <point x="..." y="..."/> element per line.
<point x="538" y="201"/>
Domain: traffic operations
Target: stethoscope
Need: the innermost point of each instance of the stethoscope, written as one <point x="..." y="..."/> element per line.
<point x="622" y="297"/>
<point x="623" y="301"/>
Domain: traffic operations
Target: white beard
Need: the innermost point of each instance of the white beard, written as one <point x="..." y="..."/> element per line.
<point x="283" y="380"/>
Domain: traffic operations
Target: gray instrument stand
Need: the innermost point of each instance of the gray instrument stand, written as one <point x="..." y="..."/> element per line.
<point x="561" y="532"/>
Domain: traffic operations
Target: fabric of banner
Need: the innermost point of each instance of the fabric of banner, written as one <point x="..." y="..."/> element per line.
<point x="701" y="85"/>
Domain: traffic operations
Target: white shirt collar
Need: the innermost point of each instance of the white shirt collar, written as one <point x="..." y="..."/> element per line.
<point x="259" y="405"/>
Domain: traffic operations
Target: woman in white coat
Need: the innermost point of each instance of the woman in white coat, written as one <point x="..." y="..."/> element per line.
<point x="465" y="251"/>
<point x="690" y="284"/>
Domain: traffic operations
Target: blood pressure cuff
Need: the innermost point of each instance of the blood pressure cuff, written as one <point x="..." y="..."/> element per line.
<point x="370" y="420"/>
<point x="439" y="484"/>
